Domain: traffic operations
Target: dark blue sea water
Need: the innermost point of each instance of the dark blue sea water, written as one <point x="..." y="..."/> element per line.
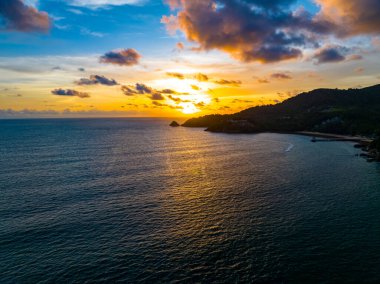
<point x="135" y="201"/>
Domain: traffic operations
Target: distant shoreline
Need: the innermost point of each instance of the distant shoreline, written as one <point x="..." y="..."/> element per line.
<point x="363" y="143"/>
<point x="328" y="136"/>
<point x="336" y="137"/>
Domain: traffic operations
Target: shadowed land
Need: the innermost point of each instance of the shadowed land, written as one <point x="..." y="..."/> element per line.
<point x="340" y="115"/>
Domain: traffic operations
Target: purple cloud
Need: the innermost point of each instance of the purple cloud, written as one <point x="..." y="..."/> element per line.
<point x="123" y="57"/>
<point x="20" y="17"/>
<point x="97" y="79"/>
<point x="70" y="93"/>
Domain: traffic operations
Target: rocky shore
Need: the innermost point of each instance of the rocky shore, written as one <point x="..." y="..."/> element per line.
<point x="372" y="151"/>
<point x="370" y="147"/>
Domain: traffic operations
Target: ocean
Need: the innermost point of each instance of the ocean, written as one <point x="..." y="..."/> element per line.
<point x="136" y="201"/>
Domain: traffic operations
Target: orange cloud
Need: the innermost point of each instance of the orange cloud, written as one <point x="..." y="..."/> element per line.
<point x="269" y="31"/>
<point x="353" y="17"/>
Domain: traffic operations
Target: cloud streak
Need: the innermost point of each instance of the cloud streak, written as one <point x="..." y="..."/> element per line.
<point x="103" y="3"/>
<point x="96" y="80"/>
<point x="177" y="75"/>
<point x="70" y="93"/>
<point x="26" y="113"/>
<point x="234" y="83"/>
<point x="199" y="76"/>
<point x="281" y="76"/>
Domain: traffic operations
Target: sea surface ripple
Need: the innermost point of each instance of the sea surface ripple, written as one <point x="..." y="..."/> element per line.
<point x="135" y="201"/>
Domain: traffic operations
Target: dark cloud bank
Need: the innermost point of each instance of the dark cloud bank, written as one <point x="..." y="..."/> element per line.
<point x="330" y="54"/>
<point x="268" y="31"/>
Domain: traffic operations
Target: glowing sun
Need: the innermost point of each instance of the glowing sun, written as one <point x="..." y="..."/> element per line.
<point x="189" y="108"/>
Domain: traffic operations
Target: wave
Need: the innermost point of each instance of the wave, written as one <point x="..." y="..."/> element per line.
<point x="290" y="147"/>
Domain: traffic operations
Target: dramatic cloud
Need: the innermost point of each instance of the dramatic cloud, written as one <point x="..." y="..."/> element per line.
<point x="16" y="15"/>
<point x="96" y="79"/>
<point x="235" y="83"/>
<point x="329" y="55"/>
<point x="124" y="57"/>
<point x="248" y="30"/>
<point x="354" y="17"/>
<point x="270" y="31"/>
<point x="70" y="93"/>
<point x="281" y="76"/>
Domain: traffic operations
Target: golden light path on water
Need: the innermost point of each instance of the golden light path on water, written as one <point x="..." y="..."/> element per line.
<point x="148" y="203"/>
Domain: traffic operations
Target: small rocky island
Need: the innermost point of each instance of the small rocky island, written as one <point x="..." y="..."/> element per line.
<point x="174" y="124"/>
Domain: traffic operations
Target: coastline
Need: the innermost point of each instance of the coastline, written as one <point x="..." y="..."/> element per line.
<point x="364" y="143"/>
<point x="370" y="153"/>
<point x="336" y="137"/>
<point x="369" y="146"/>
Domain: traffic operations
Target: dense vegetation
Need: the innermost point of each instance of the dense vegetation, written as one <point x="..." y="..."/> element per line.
<point x="352" y="112"/>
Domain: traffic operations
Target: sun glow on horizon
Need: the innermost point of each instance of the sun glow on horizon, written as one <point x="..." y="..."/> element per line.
<point x="189" y="108"/>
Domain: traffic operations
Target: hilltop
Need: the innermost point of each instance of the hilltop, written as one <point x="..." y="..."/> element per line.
<point x="348" y="112"/>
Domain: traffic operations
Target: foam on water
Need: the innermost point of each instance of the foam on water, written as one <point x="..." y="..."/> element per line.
<point x="290" y="147"/>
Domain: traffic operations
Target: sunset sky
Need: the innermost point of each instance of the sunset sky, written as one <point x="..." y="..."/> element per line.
<point x="179" y="57"/>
